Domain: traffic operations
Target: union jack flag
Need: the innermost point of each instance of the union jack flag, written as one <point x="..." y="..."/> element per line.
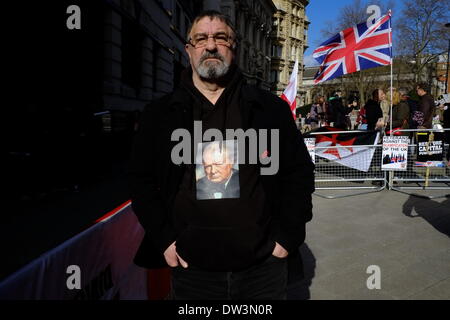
<point x="356" y="48"/>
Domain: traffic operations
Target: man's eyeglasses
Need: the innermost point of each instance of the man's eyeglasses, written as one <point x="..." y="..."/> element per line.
<point x="201" y="40"/>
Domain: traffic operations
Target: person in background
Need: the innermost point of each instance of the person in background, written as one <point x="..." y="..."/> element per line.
<point x="386" y="103"/>
<point x="306" y="127"/>
<point x="361" y="120"/>
<point x="413" y="103"/>
<point x="313" y="116"/>
<point x="351" y="105"/>
<point x="445" y="108"/>
<point x="439" y="110"/>
<point x="321" y="110"/>
<point x="339" y="110"/>
<point x="400" y="112"/>
<point x="374" y="114"/>
<point x="330" y="114"/>
<point x="424" y="115"/>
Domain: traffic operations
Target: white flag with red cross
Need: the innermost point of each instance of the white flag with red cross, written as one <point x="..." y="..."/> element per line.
<point x="290" y="93"/>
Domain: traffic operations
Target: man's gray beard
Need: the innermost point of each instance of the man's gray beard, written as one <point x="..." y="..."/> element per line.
<point x="212" y="70"/>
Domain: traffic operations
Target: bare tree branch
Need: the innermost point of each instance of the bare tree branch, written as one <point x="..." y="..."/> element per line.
<point x="421" y="33"/>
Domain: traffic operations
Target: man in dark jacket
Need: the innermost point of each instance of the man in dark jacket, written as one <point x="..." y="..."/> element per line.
<point x="413" y="106"/>
<point x="373" y="110"/>
<point x="426" y="106"/>
<point x="340" y="111"/>
<point x="232" y="248"/>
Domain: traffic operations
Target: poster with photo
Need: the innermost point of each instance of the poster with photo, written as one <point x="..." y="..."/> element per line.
<point x="430" y="149"/>
<point x="311" y="145"/>
<point x="395" y="153"/>
<point x="217" y="170"/>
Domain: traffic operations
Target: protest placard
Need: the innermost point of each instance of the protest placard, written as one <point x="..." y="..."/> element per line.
<point x="429" y="149"/>
<point x="395" y="153"/>
<point x="311" y="145"/>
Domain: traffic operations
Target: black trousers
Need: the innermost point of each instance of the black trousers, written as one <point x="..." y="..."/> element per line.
<point x="265" y="281"/>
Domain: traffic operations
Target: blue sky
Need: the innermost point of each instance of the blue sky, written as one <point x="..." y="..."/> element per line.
<point x="321" y="11"/>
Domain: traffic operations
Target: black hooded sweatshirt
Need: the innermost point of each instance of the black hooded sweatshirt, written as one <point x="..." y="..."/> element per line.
<point x="221" y="234"/>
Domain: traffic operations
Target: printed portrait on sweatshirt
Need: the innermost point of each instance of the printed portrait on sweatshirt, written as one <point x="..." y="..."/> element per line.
<point x="217" y="170"/>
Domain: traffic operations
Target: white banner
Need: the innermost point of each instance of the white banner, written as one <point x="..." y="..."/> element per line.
<point x="97" y="264"/>
<point x="347" y="152"/>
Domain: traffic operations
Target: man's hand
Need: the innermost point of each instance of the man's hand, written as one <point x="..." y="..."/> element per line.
<point x="172" y="257"/>
<point x="279" y="251"/>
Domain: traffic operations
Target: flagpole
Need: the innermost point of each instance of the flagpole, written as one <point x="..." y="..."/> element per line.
<point x="391" y="173"/>
<point x="392" y="62"/>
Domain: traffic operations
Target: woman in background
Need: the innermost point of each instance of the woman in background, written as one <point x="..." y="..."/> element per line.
<point x="400" y="112"/>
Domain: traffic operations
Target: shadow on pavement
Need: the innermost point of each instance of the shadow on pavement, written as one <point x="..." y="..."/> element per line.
<point x="300" y="290"/>
<point x="439" y="219"/>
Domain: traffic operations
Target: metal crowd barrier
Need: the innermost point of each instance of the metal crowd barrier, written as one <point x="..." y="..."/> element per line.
<point x="334" y="180"/>
<point x="415" y="178"/>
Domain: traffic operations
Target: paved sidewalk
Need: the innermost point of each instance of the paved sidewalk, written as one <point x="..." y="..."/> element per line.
<point x="406" y="236"/>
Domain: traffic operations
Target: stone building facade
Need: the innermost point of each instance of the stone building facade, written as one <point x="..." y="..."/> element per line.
<point x="289" y="42"/>
<point x="144" y="45"/>
<point x="144" y="49"/>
